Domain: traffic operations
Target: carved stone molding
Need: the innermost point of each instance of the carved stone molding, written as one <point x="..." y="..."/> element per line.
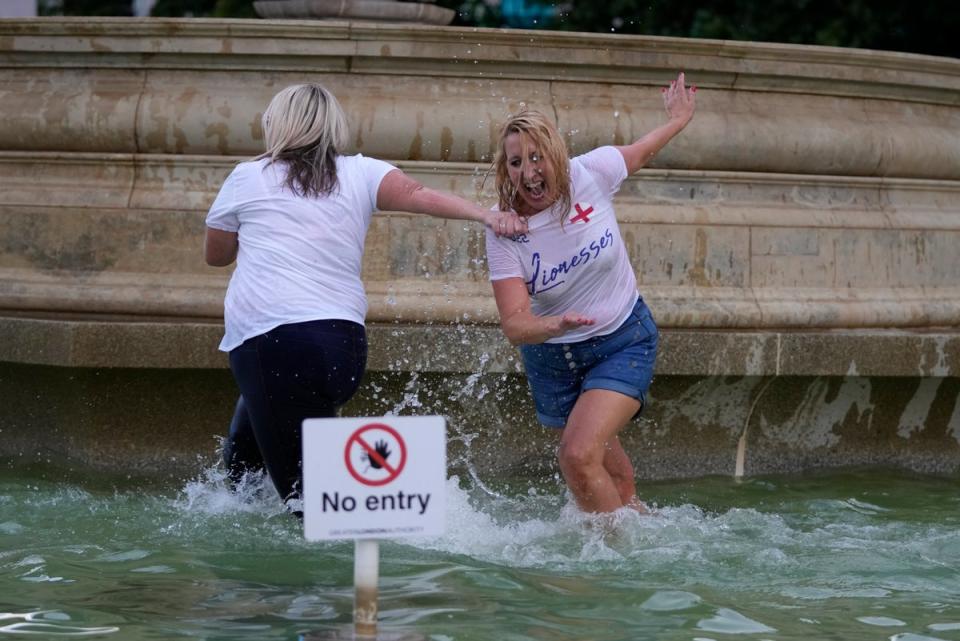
<point x="372" y="10"/>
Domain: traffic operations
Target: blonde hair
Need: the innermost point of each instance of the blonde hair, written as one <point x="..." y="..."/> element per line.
<point x="535" y="128"/>
<point x="305" y="128"/>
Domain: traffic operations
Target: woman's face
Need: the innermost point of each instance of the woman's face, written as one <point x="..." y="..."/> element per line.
<point x="532" y="176"/>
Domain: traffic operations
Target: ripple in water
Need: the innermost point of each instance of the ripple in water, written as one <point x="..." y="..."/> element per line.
<point x="48" y="624"/>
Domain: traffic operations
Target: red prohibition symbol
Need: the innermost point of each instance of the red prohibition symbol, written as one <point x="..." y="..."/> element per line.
<point x="375" y="453"/>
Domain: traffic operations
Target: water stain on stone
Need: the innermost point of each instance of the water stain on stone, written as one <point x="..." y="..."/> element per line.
<point x="221" y="132"/>
<point x="446" y="144"/>
<point x="99" y="47"/>
<point x="698" y="271"/>
<point x="256" y="127"/>
<point x="155" y="139"/>
<point x="416" y="145"/>
<point x="920" y="246"/>
<point x="180" y="138"/>
<point x="85" y="252"/>
<point x="55" y="111"/>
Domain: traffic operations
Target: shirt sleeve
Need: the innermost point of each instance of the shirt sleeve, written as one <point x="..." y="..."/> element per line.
<point x="501" y="261"/>
<point x="373" y="172"/>
<point x="223" y="212"/>
<point x="606" y="166"/>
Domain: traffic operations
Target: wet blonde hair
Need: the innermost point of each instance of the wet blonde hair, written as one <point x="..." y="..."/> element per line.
<point x="305" y="128"/>
<point x="535" y="128"/>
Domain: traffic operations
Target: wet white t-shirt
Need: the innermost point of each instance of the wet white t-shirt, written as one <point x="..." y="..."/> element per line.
<point x="582" y="265"/>
<point x="299" y="258"/>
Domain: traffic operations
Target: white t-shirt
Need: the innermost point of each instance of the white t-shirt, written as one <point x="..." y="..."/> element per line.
<point x="299" y="258"/>
<point x="581" y="266"/>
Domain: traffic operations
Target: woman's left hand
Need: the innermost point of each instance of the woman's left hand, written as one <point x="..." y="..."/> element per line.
<point x="679" y="100"/>
<point x="506" y="223"/>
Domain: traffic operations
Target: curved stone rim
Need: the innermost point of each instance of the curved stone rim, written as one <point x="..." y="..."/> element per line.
<point x="372" y="10"/>
<point x="151" y="35"/>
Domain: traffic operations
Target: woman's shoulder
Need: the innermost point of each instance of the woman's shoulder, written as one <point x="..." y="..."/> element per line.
<point x="249" y="167"/>
<point x="604" y="164"/>
<point x="255" y="176"/>
<point x="604" y="154"/>
<point x="363" y="169"/>
<point x="358" y="160"/>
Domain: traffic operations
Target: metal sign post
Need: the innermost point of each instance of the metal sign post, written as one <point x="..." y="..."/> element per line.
<point x="366" y="577"/>
<point x="357" y="484"/>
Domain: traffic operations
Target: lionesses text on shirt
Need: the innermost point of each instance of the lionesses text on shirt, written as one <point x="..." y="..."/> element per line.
<point x="544" y="280"/>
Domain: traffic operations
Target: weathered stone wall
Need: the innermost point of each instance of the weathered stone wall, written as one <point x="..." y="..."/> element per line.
<point x="798" y="243"/>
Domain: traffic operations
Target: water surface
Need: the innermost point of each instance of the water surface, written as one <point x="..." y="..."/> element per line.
<point x="858" y="555"/>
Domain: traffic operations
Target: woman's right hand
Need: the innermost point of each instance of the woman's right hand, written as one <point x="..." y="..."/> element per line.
<point x="560" y="325"/>
<point x="520" y="325"/>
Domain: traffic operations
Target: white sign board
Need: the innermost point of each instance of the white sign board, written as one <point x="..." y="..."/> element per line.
<point x="374" y="478"/>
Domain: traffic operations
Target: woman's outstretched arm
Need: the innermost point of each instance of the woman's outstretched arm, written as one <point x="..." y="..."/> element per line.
<point x="679" y="102"/>
<point x="400" y="192"/>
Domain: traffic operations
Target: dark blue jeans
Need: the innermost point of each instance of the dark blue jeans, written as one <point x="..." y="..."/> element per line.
<point x="293" y="372"/>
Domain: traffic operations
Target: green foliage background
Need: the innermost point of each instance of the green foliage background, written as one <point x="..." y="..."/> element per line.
<point x="925" y="26"/>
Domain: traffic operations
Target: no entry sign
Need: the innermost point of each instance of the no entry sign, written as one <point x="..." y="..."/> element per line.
<point x="366" y="478"/>
<point x="369" y="454"/>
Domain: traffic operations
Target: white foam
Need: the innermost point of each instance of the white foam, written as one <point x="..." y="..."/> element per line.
<point x="212" y="493"/>
<point x="541" y="531"/>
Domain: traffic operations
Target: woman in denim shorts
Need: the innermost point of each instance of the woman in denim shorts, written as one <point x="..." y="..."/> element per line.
<point x="567" y="294"/>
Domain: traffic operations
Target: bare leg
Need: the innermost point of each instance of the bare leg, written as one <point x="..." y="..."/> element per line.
<point x="618" y="464"/>
<point x="592" y="428"/>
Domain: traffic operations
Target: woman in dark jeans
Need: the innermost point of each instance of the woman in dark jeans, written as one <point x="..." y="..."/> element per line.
<point x="295" y="219"/>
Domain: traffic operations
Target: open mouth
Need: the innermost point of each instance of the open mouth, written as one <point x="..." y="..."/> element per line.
<point x="535" y="189"/>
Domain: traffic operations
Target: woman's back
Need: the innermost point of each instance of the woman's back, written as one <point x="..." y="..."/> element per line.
<point x="299" y="257"/>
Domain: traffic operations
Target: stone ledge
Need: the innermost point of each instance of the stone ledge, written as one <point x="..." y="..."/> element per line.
<point x="87" y="342"/>
<point x="166" y="297"/>
<point x="158" y="182"/>
<point x="765" y="107"/>
<point x="389" y="11"/>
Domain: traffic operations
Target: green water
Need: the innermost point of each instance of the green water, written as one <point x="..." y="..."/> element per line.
<point x="871" y="555"/>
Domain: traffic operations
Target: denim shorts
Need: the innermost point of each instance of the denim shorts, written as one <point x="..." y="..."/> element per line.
<point x="621" y="361"/>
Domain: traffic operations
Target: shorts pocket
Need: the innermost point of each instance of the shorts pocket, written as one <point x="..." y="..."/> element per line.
<point x="650" y="327"/>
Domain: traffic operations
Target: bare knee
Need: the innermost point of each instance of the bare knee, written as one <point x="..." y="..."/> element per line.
<point x="577" y="457"/>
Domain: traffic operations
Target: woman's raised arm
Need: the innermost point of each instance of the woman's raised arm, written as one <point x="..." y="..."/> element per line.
<point x="679" y="102"/>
